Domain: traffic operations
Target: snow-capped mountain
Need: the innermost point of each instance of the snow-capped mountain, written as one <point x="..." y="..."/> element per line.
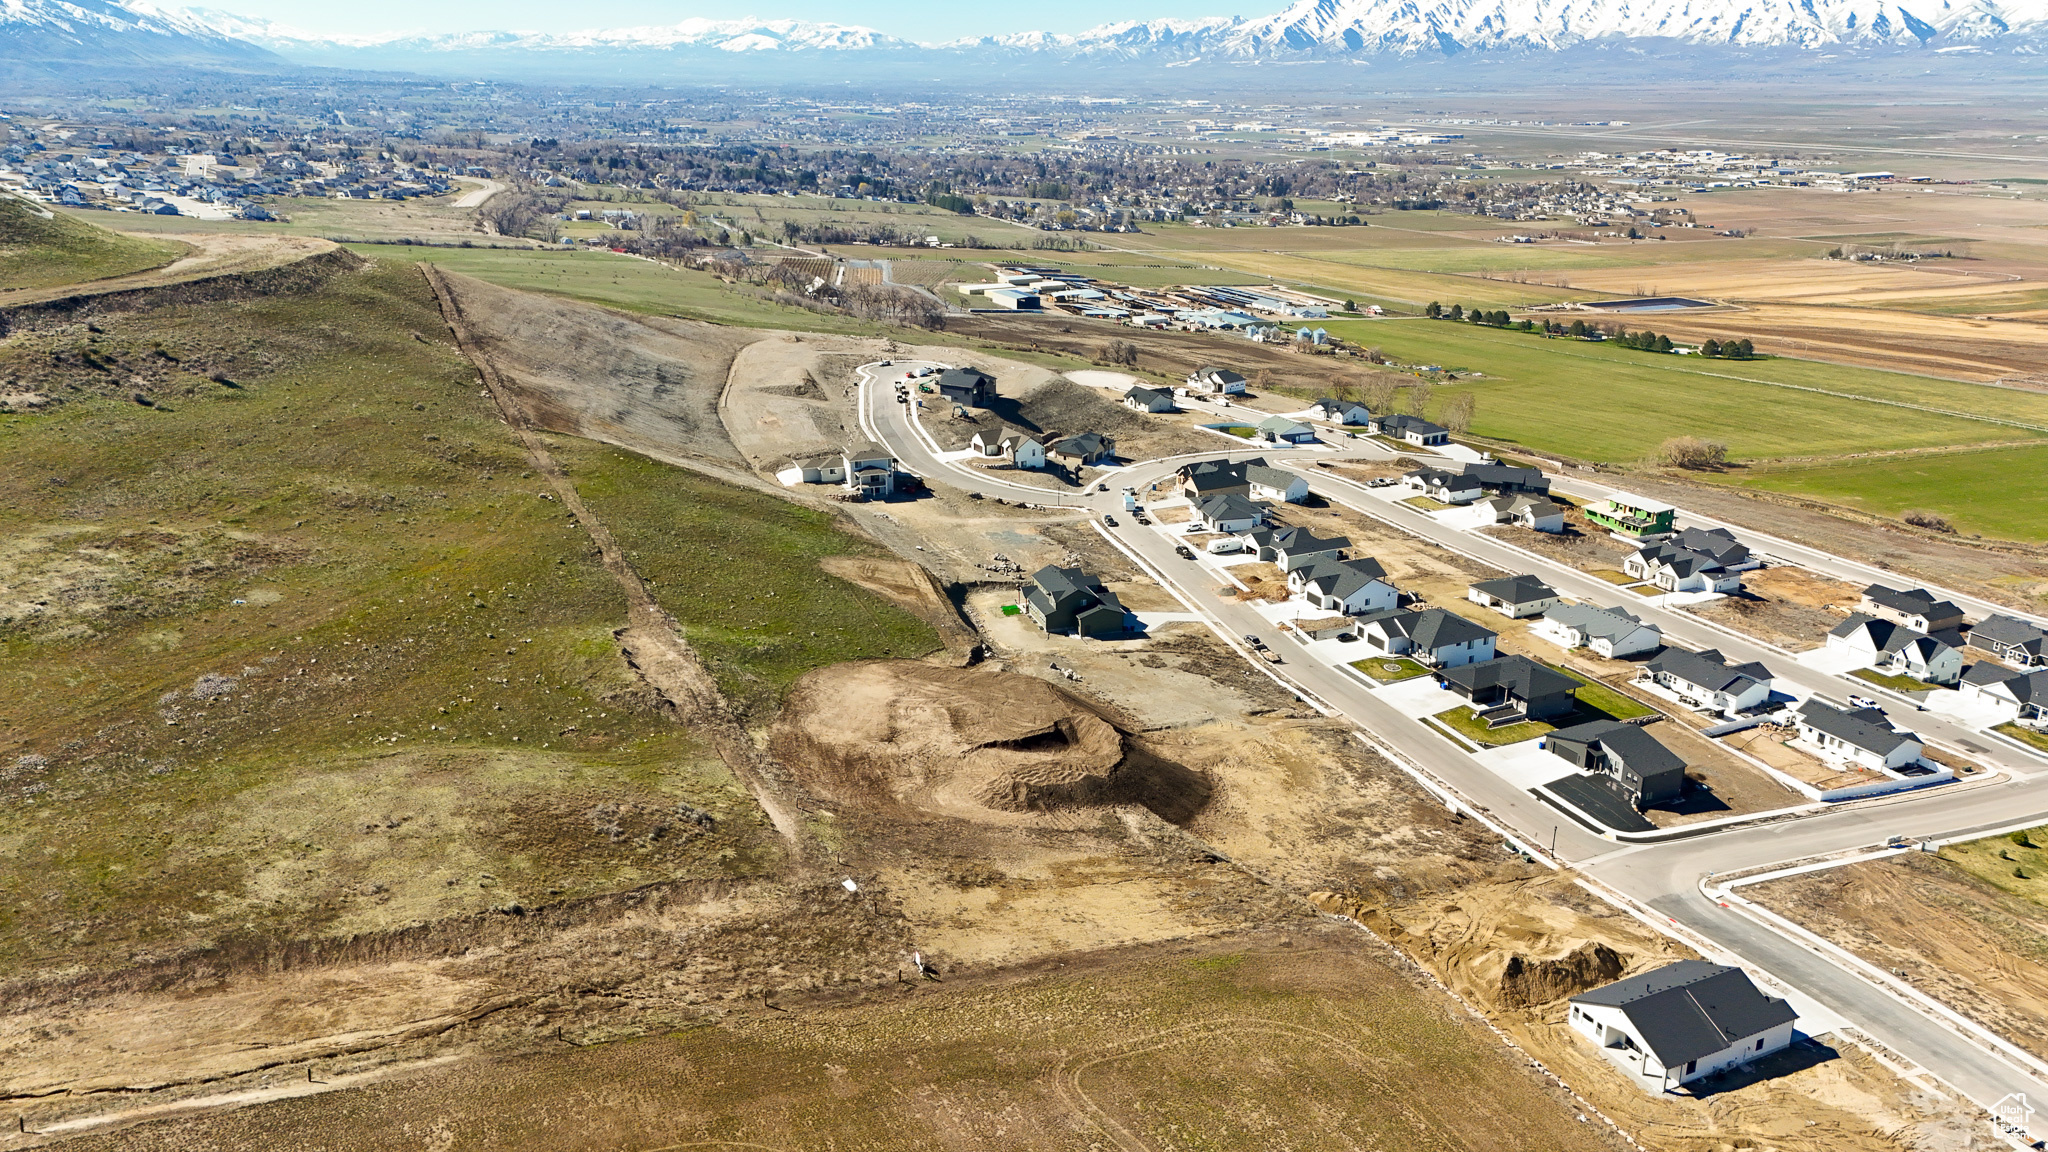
<point x="747" y="35"/>
<point x="45" y="33"/>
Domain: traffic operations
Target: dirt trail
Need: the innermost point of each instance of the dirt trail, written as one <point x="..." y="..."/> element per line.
<point x="652" y="640"/>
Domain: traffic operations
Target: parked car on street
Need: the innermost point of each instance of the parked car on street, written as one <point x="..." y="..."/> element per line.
<point x="1184" y="551"/>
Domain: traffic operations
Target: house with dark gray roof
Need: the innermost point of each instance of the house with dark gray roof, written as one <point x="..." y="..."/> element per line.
<point x="1611" y="632"/>
<point x="1410" y="429"/>
<point x="1352" y="587"/>
<point x="1514" y="596"/>
<point x="1071" y="600"/>
<point x="1230" y="513"/>
<point x="1215" y="478"/>
<point x="1510" y="689"/>
<point x="1536" y="513"/>
<point x="1899" y="650"/>
<point x="1286" y="430"/>
<point x="1675" y="568"/>
<point x="1916" y="608"/>
<point x="1209" y="380"/>
<point x="1507" y="479"/>
<point x="1683" y="1021"/>
<point x="1718" y="545"/>
<point x="1443" y="485"/>
<point x="1433" y="636"/>
<point x="1143" y="399"/>
<point x="1269" y="483"/>
<point x="1084" y="449"/>
<point x="1291" y="547"/>
<point x="2026" y="693"/>
<point x="1624" y="757"/>
<point x="1707" y="681"/>
<point x="1344" y="411"/>
<point x="969" y="386"/>
<point x="2012" y="640"/>
<point x="1861" y="736"/>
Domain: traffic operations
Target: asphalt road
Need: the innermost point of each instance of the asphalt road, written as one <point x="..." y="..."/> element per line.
<point x="1664" y="876"/>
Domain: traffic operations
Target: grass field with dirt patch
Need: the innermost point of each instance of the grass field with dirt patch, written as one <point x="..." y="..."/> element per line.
<point x="1535" y="391"/>
<point x="294" y="647"/>
<point x="1319" y="1041"/>
<point x="38" y="251"/>
<point x="1978" y="492"/>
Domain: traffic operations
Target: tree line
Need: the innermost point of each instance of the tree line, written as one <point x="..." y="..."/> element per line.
<point x="1642" y="341"/>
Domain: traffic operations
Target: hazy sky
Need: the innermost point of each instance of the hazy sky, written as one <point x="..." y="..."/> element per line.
<point x="910" y="19"/>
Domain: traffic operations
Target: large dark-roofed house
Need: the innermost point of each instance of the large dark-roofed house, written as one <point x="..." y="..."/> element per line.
<point x="1508" y="689"/>
<point x="1071" y="600"/>
<point x="1623" y="757"/>
<point x="969" y="386"/>
<point x="1683" y="1021"/>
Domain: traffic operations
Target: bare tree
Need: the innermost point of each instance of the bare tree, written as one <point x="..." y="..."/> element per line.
<point x="1457" y="415"/>
<point x="1418" y="399"/>
<point x="1378" y="394"/>
<point x="1121" y="352"/>
<point x="1691" y="452"/>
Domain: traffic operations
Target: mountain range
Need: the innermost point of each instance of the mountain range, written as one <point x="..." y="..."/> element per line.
<point x="1393" y="31"/>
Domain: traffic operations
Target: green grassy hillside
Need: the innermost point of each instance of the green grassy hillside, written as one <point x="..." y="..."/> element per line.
<point x="47" y="252"/>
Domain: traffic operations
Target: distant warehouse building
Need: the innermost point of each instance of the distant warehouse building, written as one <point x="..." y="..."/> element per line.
<point x="1015" y="299"/>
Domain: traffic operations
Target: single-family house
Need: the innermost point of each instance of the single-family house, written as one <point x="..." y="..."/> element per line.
<point x="1683" y="1021"/>
<point x="1634" y="518"/>
<point x="1514" y="596"/>
<point x="1707" y="680"/>
<point x="1352" y="587"/>
<point x="1346" y="412"/>
<point x="1624" y="757"/>
<point x="1143" y="399"/>
<point x="968" y="386"/>
<point x="1023" y="449"/>
<point x="1230" y="513"/>
<point x="1510" y="689"/>
<point x="1083" y="450"/>
<point x="1611" y="632"/>
<point x="815" y="468"/>
<point x="1409" y="429"/>
<point x="1433" y="636"/>
<point x="2025" y="692"/>
<point x="2012" y="640"/>
<point x="1677" y="569"/>
<point x="1210" y="380"/>
<point x="1718" y="545"/>
<point x="1536" y="513"/>
<point x="1269" y="483"/>
<point x="1507" y="480"/>
<point x="1071" y="600"/>
<point x="1444" y="486"/>
<point x="988" y="441"/>
<point x="869" y="469"/>
<point x="1899" y="650"/>
<point x="1286" y="430"/>
<point x="1291" y="547"/>
<point x="1205" y="478"/>
<point x="1863" y="736"/>
<point x="1916" y="608"/>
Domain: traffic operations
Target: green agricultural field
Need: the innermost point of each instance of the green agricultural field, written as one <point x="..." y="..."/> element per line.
<point x="47" y="252"/>
<point x="2000" y="493"/>
<point x="739" y="570"/>
<point x="294" y="648"/>
<point x="1607" y="403"/>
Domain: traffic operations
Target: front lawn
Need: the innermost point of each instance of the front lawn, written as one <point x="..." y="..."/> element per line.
<point x="2024" y="735"/>
<point x="1426" y="503"/>
<point x="1390" y="669"/>
<point x="1895" y="683"/>
<point x="1595" y="697"/>
<point x="1612" y="577"/>
<point x="1464" y="723"/>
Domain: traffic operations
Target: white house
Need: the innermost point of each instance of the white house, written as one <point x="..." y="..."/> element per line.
<point x="1444" y="486"/>
<point x="1269" y="483"/>
<point x="1142" y="399"/>
<point x="1344" y="412"/>
<point x="1024" y="451"/>
<point x="1284" y="430"/>
<point x="1536" y="513"/>
<point x="1212" y="381"/>
<point x="1677" y="569"/>
<point x="988" y="442"/>
<point x="1353" y="587"/>
<point x="1230" y="513"/>
<point x="1434" y="637"/>
<point x="1683" y="1021"/>
<point x="1609" y="632"/>
<point x="1898" y="650"/>
<point x="1291" y="547"/>
<point x="869" y="469"/>
<point x="1706" y="680"/>
<point x="1410" y="429"/>
<point x="1861" y="736"/>
<point x="2024" y="693"/>
<point x="1514" y="596"/>
<point x="816" y="468"/>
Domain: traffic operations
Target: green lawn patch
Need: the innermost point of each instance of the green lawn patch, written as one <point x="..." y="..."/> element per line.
<point x="39" y="252"/>
<point x="739" y="570"/>
<point x="1426" y="503"/>
<point x="2016" y="862"/>
<point x="1978" y="492"/>
<point x="1646" y="590"/>
<point x="1599" y="702"/>
<point x="1613" y="577"/>
<point x="1390" y="669"/>
<point x="2024" y="735"/>
<point x="1895" y="683"/>
<point x="1011" y="609"/>
<point x="1464" y="723"/>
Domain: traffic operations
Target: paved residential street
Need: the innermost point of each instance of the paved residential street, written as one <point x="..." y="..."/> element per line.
<point x="1663" y="877"/>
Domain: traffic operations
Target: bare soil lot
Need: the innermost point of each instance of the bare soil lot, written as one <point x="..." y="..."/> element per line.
<point x="1981" y="951"/>
<point x="1793" y="608"/>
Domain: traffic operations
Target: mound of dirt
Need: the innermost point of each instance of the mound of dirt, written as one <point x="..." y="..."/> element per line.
<point x="976" y="743"/>
<point x="1060" y="407"/>
<point x="1525" y="983"/>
